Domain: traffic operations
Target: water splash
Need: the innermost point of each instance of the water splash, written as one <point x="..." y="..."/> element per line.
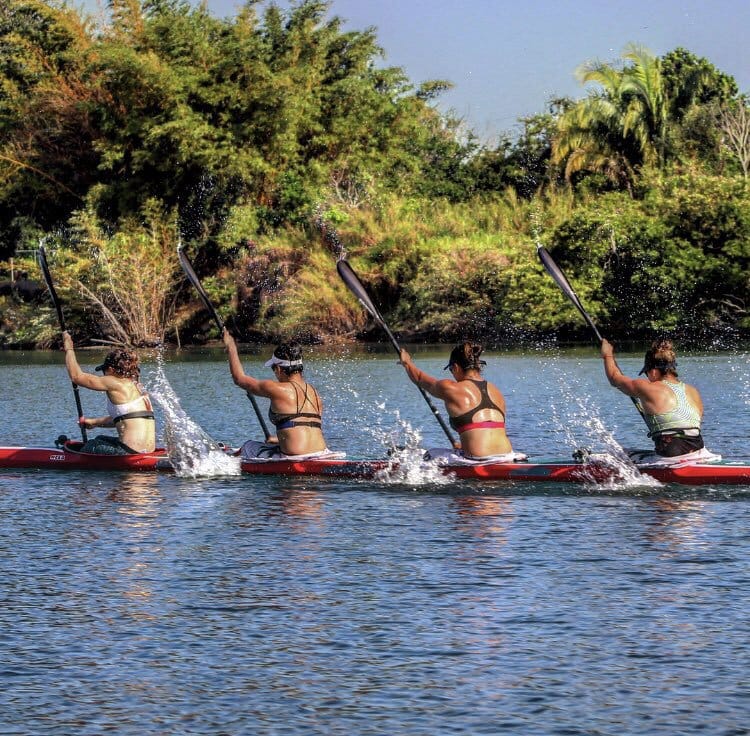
<point x="582" y="420"/>
<point x="741" y="368"/>
<point x="406" y="457"/>
<point x="192" y="452"/>
<point x="603" y="471"/>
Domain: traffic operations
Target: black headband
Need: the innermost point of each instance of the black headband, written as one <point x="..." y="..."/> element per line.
<point x="452" y="362"/>
<point x="665" y="366"/>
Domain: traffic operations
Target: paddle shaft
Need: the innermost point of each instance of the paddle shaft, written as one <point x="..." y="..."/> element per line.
<point x="61" y="320"/>
<point x="187" y="267"/>
<point x="561" y="280"/>
<point x="355" y="286"/>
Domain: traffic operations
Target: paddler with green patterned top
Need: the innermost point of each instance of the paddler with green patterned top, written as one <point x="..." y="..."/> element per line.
<point x="673" y="410"/>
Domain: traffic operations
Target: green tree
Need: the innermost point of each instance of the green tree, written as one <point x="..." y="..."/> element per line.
<point x="274" y="111"/>
<point x="620" y="128"/>
<point x="690" y="80"/>
<point x="524" y="163"/>
<point x="695" y="90"/>
<point x="646" y="113"/>
<point x="46" y="136"/>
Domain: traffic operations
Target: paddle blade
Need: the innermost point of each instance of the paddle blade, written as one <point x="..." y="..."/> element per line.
<point x="187" y="267"/>
<point x="554" y="270"/>
<point x="50" y="286"/>
<point x="355" y="286"/>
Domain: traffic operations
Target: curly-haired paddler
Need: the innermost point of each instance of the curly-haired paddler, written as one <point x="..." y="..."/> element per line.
<point x="129" y="408"/>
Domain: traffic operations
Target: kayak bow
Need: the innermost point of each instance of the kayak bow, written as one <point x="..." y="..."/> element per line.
<point x="69" y="457"/>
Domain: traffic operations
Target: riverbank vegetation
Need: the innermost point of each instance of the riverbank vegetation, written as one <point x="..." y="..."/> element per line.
<point x="259" y="140"/>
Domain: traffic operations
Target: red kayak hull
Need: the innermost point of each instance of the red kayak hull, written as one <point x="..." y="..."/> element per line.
<point x="702" y="475"/>
<point x="68" y="458"/>
<point x="556" y="472"/>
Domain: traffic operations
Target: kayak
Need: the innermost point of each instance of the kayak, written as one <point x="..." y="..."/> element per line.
<point x="559" y="471"/>
<point x="69" y="457"/>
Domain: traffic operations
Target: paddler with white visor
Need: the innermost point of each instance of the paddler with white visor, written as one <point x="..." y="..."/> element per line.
<point x="283" y="363"/>
<point x="296" y="408"/>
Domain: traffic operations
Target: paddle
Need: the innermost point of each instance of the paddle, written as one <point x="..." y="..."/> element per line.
<point x="187" y="267"/>
<point x="63" y="328"/>
<point x="355" y="286"/>
<point x="554" y="270"/>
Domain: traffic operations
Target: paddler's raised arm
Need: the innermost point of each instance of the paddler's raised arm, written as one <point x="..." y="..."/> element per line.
<point x="417" y="376"/>
<point x="633" y="387"/>
<point x="77" y="375"/>
<point x="253" y="385"/>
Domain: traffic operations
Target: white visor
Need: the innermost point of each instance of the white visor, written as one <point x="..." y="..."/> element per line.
<point x="273" y="360"/>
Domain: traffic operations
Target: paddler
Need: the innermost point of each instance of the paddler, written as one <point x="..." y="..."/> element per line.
<point x="475" y="406"/>
<point x="129" y="408"/>
<point x="296" y="409"/>
<point x="672" y="410"/>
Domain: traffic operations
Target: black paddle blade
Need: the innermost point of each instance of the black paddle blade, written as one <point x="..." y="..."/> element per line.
<point x="554" y="270"/>
<point x="50" y="286"/>
<point x="187" y="267"/>
<point x="355" y="286"/>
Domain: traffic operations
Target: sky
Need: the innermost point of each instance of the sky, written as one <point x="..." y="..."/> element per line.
<point x="508" y="58"/>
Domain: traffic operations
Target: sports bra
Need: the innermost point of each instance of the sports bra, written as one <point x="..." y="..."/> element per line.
<point x="287" y="421"/>
<point x="463" y="422"/>
<point x="131" y="409"/>
<point x="684" y="417"/>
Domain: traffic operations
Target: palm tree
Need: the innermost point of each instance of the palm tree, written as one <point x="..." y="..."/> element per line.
<point x="589" y="138"/>
<point x="647" y="113"/>
<point x="620" y="127"/>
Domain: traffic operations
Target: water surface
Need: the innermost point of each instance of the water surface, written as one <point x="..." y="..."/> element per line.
<point x="152" y="604"/>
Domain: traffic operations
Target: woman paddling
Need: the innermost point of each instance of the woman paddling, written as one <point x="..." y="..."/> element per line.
<point x="673" y="410"/>
<point x="128" y="406"/>
<point x="476" y="407"/>
<point x="296" y="409"/>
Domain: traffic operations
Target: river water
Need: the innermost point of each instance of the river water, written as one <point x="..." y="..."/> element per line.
<point x="167" y="604"/>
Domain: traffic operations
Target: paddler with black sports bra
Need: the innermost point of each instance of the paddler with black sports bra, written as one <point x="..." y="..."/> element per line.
<point x="128" y="405"/>
<point x="672" y="410"/>
<point x="475" y="406"/>
<point x="296" y="409"/>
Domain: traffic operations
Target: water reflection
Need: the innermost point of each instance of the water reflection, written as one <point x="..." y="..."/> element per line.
<point x="302" y="503"/>
<point x="485" y="517"/>
<point x="136" y="494"/>
<point x="138" y="502"/>
<point x="677" y="524"/>
<point x="305" y="504"/>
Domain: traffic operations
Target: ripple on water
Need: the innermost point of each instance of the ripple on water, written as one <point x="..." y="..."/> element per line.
<point x="152" y="604"/>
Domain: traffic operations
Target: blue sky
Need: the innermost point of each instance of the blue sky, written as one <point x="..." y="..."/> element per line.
<point x="507" y="58"/>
